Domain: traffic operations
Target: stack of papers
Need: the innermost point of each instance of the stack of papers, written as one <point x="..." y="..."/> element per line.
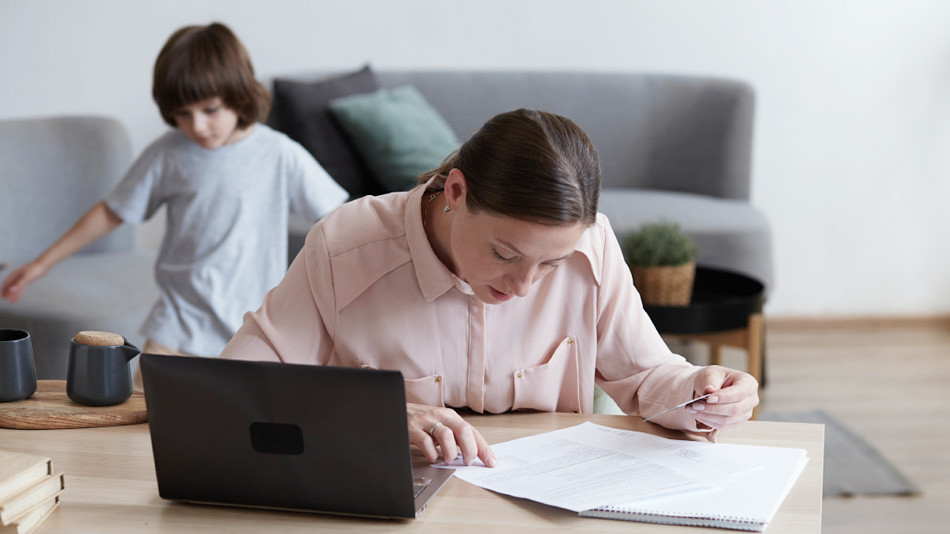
<point x="605" y="472"/>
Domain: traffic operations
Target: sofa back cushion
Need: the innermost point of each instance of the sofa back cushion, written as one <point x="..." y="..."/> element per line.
<point x="52" y="171"/>
<point x="652" y="131"/>
<point x="301" y="110"/>
<point x="396" y="132"/>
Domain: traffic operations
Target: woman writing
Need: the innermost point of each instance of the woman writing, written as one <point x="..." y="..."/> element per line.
<point x="494" y="285"/>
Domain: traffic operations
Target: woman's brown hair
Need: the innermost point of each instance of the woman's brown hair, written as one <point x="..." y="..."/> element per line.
<point x="530" y="165"/>
<point x="201" y="62"/>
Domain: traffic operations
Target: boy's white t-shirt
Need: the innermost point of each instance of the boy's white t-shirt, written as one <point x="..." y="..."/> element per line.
<point x="225" y="241"/>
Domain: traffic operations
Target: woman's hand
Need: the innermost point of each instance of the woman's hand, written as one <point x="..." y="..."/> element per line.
<point x="734" y="395"/>
<point x="448" y="431"/>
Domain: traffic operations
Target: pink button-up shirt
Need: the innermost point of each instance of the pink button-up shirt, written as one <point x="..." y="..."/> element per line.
<point x="368" y="291"/>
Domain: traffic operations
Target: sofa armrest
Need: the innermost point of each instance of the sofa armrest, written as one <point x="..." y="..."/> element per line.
<point x="700" y="137"/>
<point x="54" y="169"/>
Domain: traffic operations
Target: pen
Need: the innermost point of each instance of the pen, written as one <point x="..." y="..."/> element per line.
<point x="677" y="406"/>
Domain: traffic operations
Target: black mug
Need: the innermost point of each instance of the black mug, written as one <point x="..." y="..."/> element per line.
<point x="17" y="369"/>
<point x="99" y="375"/>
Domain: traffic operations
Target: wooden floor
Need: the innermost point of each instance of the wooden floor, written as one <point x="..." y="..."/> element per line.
<point x="890" y="382"/>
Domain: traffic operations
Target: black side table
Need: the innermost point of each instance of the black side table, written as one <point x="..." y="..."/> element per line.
<point x="725" y="309"/>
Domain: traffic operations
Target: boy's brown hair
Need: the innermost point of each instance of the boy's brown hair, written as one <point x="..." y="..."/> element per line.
<point x="201" y="62"/>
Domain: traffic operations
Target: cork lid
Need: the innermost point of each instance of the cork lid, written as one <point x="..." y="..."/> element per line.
<point x="99" y="339"/>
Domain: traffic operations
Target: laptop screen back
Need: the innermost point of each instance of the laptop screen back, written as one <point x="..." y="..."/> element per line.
<point x="275" y="435"/>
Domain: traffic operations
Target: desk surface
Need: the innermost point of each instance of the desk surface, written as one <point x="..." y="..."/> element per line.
<point x="110" y="486"/>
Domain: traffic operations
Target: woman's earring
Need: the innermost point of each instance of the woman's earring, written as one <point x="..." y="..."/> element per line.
<point x="446" y="209"/>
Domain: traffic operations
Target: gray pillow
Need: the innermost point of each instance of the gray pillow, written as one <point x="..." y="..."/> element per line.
<point x="397" y="133"/>
<point x="300" y="110"/>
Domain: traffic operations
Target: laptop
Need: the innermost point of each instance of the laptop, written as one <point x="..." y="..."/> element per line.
<point x="292" y="437"/>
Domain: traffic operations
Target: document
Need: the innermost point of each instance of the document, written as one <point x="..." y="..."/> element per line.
<point x="589" y="465"/>
<point x="746" y="502"/>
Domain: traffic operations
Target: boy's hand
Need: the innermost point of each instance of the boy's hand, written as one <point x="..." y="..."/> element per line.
<point x="95" y="223"/>
<point x="16" y="283"/>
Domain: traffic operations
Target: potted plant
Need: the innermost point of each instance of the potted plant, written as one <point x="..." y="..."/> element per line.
<point x="662" y="259"/>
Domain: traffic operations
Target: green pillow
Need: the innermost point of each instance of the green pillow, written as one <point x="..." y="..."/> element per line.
<point x="396" y="132"/>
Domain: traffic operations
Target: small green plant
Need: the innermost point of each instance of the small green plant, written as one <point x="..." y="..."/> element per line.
<point x="658" y="244"/>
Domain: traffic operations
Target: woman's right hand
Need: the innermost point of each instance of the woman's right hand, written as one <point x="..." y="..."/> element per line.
<point x="16" y="283"/>
<point x="448" y="431"/>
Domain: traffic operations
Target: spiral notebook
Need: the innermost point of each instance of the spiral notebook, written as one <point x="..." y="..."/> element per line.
<point x="748" y="501"/>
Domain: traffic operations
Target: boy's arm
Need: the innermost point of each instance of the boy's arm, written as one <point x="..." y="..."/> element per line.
<point x="95" y="223"/>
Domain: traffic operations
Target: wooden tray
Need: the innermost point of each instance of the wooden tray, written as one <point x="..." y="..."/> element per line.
<point x="50" y="408"/>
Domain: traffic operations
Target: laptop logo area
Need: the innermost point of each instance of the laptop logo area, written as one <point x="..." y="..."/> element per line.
<point x="276" y="438"/>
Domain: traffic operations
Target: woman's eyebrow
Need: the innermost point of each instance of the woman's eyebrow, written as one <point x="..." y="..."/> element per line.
<point x="516" y="251"/>
<point x="512" y="247"/>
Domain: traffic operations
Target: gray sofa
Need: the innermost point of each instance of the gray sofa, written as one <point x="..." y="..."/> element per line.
<point x="671" y="147"/>
<point x="52" y="170"/>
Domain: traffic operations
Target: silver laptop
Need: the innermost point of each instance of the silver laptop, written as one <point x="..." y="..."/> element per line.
<point x="295" y="437"/>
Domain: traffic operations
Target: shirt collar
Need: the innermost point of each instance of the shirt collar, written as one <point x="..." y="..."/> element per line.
<point x="433" y="277"/>
<point x="590" y="242"/>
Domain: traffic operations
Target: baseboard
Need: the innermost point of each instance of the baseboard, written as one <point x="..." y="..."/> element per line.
<point x="930" y="322"/>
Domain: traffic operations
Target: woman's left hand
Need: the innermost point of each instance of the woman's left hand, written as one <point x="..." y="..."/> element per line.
<point x="734" y="395"/>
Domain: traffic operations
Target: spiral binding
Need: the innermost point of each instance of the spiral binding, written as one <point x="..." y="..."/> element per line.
<point x="730" y="522"/>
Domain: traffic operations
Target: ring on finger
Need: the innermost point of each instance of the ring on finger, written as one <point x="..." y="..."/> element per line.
<point x="435" y="426"/>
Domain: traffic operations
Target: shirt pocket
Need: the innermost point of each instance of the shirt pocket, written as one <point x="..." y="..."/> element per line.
<point x="426" y="390"/>
<point x="552" y="386"/>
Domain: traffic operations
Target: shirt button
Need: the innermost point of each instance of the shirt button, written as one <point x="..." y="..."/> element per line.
<point x="519" y="374"/>
<point x="438" y="379"/>
<point x="570" y="340"/>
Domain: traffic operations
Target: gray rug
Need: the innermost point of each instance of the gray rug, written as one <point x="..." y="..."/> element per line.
<point x="852" y="466"/>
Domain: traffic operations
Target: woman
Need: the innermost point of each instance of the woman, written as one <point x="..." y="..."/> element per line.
<point x="494" y="285"/>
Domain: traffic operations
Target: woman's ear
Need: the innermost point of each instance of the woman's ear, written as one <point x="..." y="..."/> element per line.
<point x="455" y="189"/>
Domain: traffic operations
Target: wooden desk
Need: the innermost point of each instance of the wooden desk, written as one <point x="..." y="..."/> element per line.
<point x="111" y="488"/>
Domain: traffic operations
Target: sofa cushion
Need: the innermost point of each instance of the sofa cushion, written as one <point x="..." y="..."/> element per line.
<point x="300" y="111"/>
<point x="396" y="132"/>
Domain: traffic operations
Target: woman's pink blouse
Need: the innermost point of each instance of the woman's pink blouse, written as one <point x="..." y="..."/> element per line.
<point x="368" y="291"/>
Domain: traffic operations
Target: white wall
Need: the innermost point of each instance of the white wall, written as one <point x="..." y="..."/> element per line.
<point x="852" y="154"/>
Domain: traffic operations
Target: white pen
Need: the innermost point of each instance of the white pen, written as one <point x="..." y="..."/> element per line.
<point x="677" y="406"/>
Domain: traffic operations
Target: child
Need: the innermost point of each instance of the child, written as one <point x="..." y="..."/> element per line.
<point x="227" y="183"/>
